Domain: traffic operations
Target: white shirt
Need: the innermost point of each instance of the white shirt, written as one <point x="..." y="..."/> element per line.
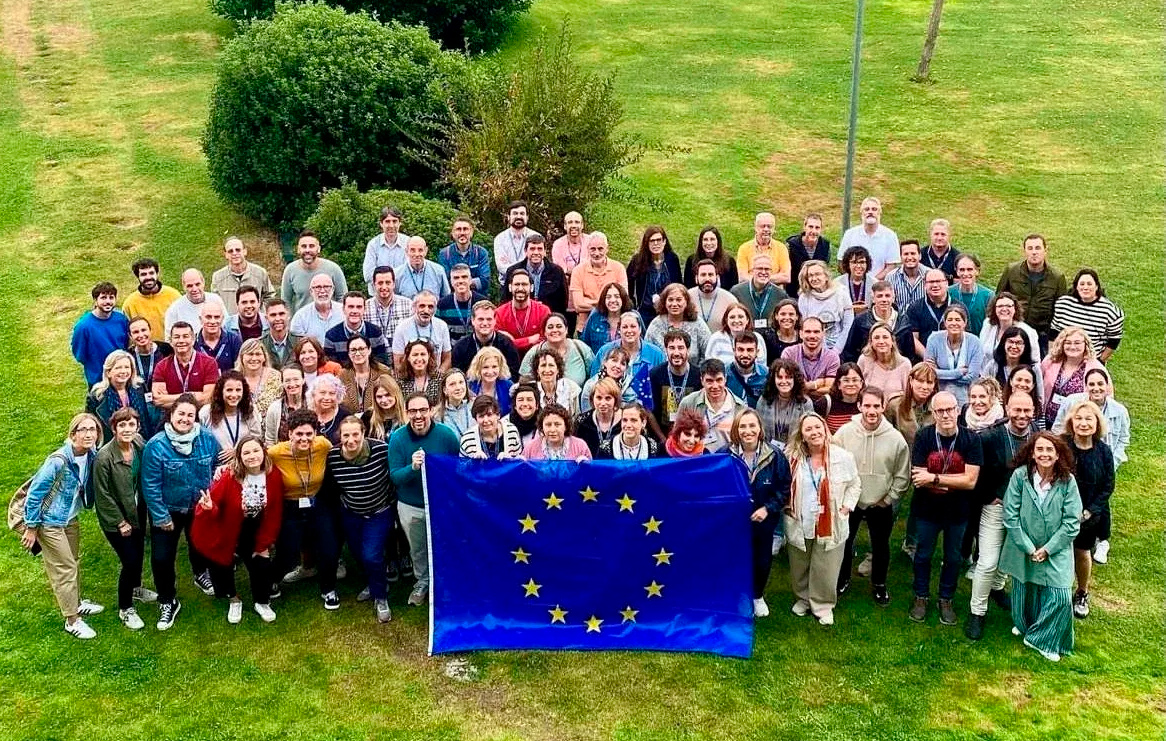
<point x="510" y="248"/>
<point x="308" y="323"/>
<point x="182" y="310"/>
<point x="883" y="246"/>
<point x="437" y="332"/>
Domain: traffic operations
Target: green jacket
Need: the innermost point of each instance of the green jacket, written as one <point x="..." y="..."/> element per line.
<point x="118" y="492"/>
<point x="1038" y="304"/>
<point x="1030" y="524"/>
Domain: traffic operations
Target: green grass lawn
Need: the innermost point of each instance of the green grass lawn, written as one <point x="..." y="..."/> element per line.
<point x="1044" y="116"/>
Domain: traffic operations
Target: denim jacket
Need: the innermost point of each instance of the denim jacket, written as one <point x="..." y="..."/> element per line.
<point x="62" y="463"/>
<point x="172" y="482"/>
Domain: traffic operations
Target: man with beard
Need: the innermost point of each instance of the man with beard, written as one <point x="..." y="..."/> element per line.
<point x="522" y="317"/>
<point x="744" y="377"/>
<point x="386" y="249"/>
<point x="188" y="307"/>
<point x="510" y="244"/>
<point x="99" y="332"/>
<point x="672" y="381"/>
<point x="907" y="279"/>
<point x="297" y="276"/>
<point x="248" y="321"/>
<point x="278" y="339"/>
<point x="548" y="282"/>
<point x="152" y="299"/>
<point x="715" y="403"/>
<point x="238" y="272"/>
<point x="880" y="241"/>
<point x="819" y="364"/>
<point x="809" y="245"/>
<point x="711" y="301"/>
<point x="463" y="251"/>
<point x="322" y="314"/>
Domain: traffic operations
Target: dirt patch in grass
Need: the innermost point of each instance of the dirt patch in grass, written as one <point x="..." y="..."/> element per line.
<point x="766" y="67"/>
<point x="208" y="43"/>
<point x="16" y="18"/>
<point x="69" y="37"/>
<point x="1110" y="602"/>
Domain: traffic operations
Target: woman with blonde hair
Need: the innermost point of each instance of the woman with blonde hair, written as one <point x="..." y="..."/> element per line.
<point x="489" y="374"/>
<point x="985" y="405"/>
<point x="291" y="398"/>
<point x="820" y="297"/>
<point x="120" y="387"/>
<point x="263" y="381"/>
<point x="881" y="364"/>
<point x="1094" y="471"/>
<point x="387" y="412"/>
<point x="1071" y="356"/>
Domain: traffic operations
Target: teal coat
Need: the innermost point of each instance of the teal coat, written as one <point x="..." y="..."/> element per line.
<point x="1031" y="525"/>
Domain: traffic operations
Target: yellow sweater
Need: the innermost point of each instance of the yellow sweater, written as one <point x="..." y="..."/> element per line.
<point x="151" y="308"/>
<point x="302" y="475"/>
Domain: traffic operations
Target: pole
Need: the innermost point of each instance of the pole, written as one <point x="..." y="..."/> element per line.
<point x="848" y="188"/>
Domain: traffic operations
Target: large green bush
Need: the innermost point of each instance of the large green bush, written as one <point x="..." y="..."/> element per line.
<point x="316" y="96"/>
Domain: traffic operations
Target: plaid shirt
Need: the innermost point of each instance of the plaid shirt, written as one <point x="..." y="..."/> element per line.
<point x="387" y="318"/>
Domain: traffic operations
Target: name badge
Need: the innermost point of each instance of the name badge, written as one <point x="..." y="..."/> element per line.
<point x="1058" y="399"/>
<point x="149" y="397"/>
<point x="305" y="503"/>
<point x="760" y="324"/>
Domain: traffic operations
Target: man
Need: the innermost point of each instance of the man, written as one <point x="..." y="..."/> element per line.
<point x="570" y="250"/>
<point x="387" y="308"/>
<point x="227" y="280"/>
<point x="408" y="446"/>
<point x="882" y="310"/>
<point x="548" y="282"/>
<point x="745" y="378"/>
<point x="884" y="465"/>
<point x="419" y="274"/>
<point x="926" y="315"/>
<point x="819" y="364"/>
<point x="99" y="332"/>
<point x="463" y="251"/>
<point x="522" y="317"/>
<point x="1037" y="285"/>
<point x="880" y="241"/>
<point x="423" y="325"/>
<point x="714" y="401"/>
<point x="336" y="339"/>
<point x="711" y="301"/>
<point x="510" y="244"/>
<point x="485" y="335"/>
<point x="589" y="279"/>
<point x="248" y="323"/>
<point x="1000" y="443"/>
<point x="759" y="293"/>
<point x="188" y="307"/>
<point x="674" y="380"/>
<point x="387" y="249"/>
<point x="969" y="292"/>
<point x="222" y="347"/>
<point x="907" y="279"/>
<point x="763" y="244"/>
<point x="644" y="355"/>
<point x="186" y="371"/>
<point x="456" y="309"/>
<point x="809" y="245"/>
<point x="152" y="299"/>
<point x="146" y="352"/>
<point x="279" y="339"/>
<point x="945" y="465"/>
<point x="939" y="253"/>
<point x="322" y="314"/>
<point x="297" y="276"/>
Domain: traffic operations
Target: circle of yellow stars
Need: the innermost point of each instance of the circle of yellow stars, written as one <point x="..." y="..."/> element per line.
<point x="594" y="624"/>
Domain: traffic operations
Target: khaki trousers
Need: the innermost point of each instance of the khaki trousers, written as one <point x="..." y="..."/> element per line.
<point x="813" y="575"/>
<point x="61" y="552"/>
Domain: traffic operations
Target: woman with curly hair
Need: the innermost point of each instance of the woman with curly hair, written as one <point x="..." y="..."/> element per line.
<point x="675" y="309"/>
<point x="231" y="414"/>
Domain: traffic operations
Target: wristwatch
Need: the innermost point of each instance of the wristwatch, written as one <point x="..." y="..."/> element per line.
<point x="935" y="480"/>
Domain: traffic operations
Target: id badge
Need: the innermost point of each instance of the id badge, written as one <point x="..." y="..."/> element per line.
<point x="672" y="405"/>
<point x="305" y="503"/>
<point x="760" y="324"/>
<point x="149" y="397"/>
<point x="1058" y="399"/>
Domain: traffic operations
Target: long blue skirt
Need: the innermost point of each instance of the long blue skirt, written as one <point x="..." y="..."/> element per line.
<point x="1043" y="615"/>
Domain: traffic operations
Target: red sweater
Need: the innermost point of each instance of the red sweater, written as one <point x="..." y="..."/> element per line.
<point x="215" y="532"/>
<point x="524" y="327"/>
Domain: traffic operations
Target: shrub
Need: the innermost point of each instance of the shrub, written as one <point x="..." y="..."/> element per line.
<point x="346" y="219"/>
<point x="544" y="131"/>
<point x="315" y="96"/>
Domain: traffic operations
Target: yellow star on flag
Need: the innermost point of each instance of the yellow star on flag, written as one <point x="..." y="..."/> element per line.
<point x="629" y="615"/>
<point x="528" y="524"/>
<point x="593" y="624"/>
<point x="662" y="557"/>
<point x="558" y="615"/>
<point x="554" y="501"/>
<point x="654" y="589"/>
<point x="625" y="503"/>
<point x="520" y="556"/>
<point x="590" y="495"/>
<point x="532" y="588"/>
<point x="651" y="526"/>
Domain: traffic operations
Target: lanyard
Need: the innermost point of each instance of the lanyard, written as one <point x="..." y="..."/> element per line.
<point x="626" y="453"/>
<point x="676" y="388"/>
<point x="234" y="435"/>
<point x="305" y="479"/>
<point x="536" y="280"/>
<point x="146" y="372"/>
<point x="526" y="322"/>
<point x="463" y="316"/>
<point x="758" y="306"/>
<point x="417" y="332"/>
<point x="706" y="314"/>
<point x="185" y="380"/>
<point x="599" y="429"/>
<point x="937" y="315"/>
<point x="857" y="291"/>
<point x="417" y="287"/>
<point x="946" y="454"/>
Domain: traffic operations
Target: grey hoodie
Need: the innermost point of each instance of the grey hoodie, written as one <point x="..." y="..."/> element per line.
<point x="882" y="457"/>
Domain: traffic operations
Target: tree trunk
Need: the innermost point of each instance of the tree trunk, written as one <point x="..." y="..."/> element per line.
<point x="924" y="71"/>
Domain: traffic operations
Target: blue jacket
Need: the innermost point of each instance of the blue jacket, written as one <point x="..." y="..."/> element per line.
<point x="94" y="339"/>
<point x="477" y="258"/>
<point x="173" y="482"/>
<point x="748" y="390"/>
<point x="769" y="482"/>
<point x="595" y="331"/>
<point x="104" y="408"/>
<point x="60" y="471"/>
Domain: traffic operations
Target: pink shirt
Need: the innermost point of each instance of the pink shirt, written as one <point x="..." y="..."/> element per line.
<point x="892" y="382"/>
<point x="567" y="257"/>
<point x="587" y="283"/>
<point x="573" y="449"/>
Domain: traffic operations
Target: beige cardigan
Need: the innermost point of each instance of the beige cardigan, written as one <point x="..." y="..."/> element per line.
<point x="845" y="488"/>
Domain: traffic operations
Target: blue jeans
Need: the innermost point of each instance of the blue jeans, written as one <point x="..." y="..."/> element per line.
<point x="928" y="533"/>
<point x="367" y="538"/>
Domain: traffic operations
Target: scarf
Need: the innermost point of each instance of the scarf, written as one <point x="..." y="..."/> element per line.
<point x="825" y="295"/>
<point x="674" y="450"/>
<point x="824" y="527"/>
<point x="525" y="426"/>
<point x="183" y="444"/>
<point x="976" y="422"/>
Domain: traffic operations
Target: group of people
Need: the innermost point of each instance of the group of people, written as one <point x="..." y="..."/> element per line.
<point x="273" y="431"/>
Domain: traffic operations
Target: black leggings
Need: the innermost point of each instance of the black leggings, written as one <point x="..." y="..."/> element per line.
<point x="258" y="567"/>
<point x="131" y="551"/>
<point x="880" y="521"/>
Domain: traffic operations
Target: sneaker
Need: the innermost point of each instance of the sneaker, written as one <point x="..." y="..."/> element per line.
<point x="406" y="566"/>
<point x="168" y="612"/>
<point x="392" y="574"/>
<point x="881" y="598"/>
<point x="89" y="608"/>
<point x="331" y="600"/>
<point x="1001" y="598"/>
<point x="918" y="611"/>
<point x="203" y="582"/>
<point x="909" y="549"/>
<point x="80" y="629"/>
<point x="384" y="614"/>
<point x="947" y="614"/>
<point x="276" y="592"/>
<point x="235" y="613"/>
<point x="419" y="595"/>
<point x="1081" y="605"/>
<point x="974" y="628"/>
<point x="131" y="619"/>
<point x="299" y="573"/>
<point x="760" y="608"/>
<point x="265" y="612"/>
<point x="1050" y="655"/>
<point x="843" y="586"/>
<point x="1101" y="552"/>
<point x="364" y="595"/>
<point x="801" y="608"/>
<point x="1015" y="630"/>
<point x="141" y="594"/>
<point x="341" y="570"/>
<point x="826" y="618"/>
<point x="866" y="566"/>
<point x="778" y="544"/>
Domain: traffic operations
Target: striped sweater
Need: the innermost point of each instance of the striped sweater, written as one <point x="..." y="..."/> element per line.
<point x="364" y="488"/>
<point x="1102" y="320"/>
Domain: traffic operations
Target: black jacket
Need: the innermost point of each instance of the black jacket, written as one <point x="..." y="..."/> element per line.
<point x="638" y="285"/>
<point x="467" y="347"/>
<point x="799" y="256"/>
<point x="552" y="288"/>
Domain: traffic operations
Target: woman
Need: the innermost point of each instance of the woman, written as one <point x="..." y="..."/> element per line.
<point x="769" y="488"/>
<point x="1013" y="350"/>
<point x="61" y="487"/>
<point x="985" y="406"/>
<point x="419" y="371"/>
<point x="911" y="411"/>
<point x="654" y="266"/>
<point x="955" y="354"/>
<point x="524" y="414"/>
<point x="787" y="320"/>
<point x="1023" y="378"/>
<point x="145" y="350"/>
<point x="324" y="400"/>
<point x="387" y="412"/>
<point x="121" y="511"/>
<point x="784" y="401"/>
<point x="675" y="309"/>
<point x="737" y="319"/>
<point x="358" y="380"/>
<point x="631" y="444"/>
<point x="490" y="375"/>
<point x="309" y="354"/>
<point x="576" y="355"/>
<point x="275" y="422"/>
<point x="710" y="246"/>
<point x="686" y="438"/>
<point x="1042" y="514"/>
<point x="492" y="437"/>
<point x="838" y="406"/>
<point x="119" y="388"/>
<point x="602" y="324"/>
<point x="818" y="297"/>
<point x="881" y="364"/>
<point x="358" y="470"/>
<point x="974" y="297"/>
<point x="231" y="415"/>
<point x="1093" y="471"/>
<point x="856" y="281"/>
<point x="1071" y="356"/>
<point x="554" y="441"/>
<point x="263" y="382"/>
<point x="633" y="381"/>
<point x="453" y="409"/>
<point x="602" y="422"/>
<point x="1087" y="306"/>
<point x="824" y="488"/>
<point x="553" y="386"/>
<point x="239" y="518"/>
<point x="1099" y="390"/>
<point x="1004" y="311"/>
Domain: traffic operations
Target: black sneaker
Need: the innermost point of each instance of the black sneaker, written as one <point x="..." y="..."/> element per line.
<point x="1001" y="598"/>
<point x="203" y="582"/>
<point x="843" y="586"/>
<point x="974" y="628"/>
<point x="1081" y="605"/>
<point x="881" y="598"/>
<point x="391" y="572"/>
<point x="406" y="566"/>
<point x="169" y="611"/>
<point x="331" y="601"/>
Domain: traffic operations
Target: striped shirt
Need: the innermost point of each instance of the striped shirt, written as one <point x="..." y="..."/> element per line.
<point x="364" y="487"/>
<point x="907" y="291"/>
<point x="1102" y="320"/>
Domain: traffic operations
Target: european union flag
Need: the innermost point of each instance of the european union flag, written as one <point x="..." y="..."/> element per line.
<point x="604" y="555"/>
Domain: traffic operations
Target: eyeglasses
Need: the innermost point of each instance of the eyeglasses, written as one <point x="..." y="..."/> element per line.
<point x="945" y="411"/>
<point x="352" y="350"/>
<point x="91" y="430"/>
<point x="415" y="412"/>
<point x="935" y="280"/>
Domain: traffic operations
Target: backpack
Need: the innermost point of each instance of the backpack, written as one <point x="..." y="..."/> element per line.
<point x="16" y="507"/>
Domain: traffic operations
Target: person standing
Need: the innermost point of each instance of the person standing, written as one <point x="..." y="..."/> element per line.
<point x="222" y="347"/>
<point x="278" y="339"/>
<point x="119" y="388"/>
<point x="386" y="309"/>
<point x="955" y="353"/>
<point x="298" y="275"/>
<point x="493" y="437"/>
<point x="672" y="380"/>
<point x="653" y="267"/>
<point x="151" y="299"/>
<point x="249" y="322"/>
<point x="99" y="332"/>
<point x="907" y="279"/>
<point x="187" y="371"/>
<point x="588" y="279"/>
<point x="321" y="314"/>
<point x="1087" y="306"/>
<point x="484" y="334"/>
<point x="238" y="272"/>
<point x="145" y="350"/>
<point x="716" y="405"/>
<point x="711" y="246"/>
<point x="819" y="365"/>
<point x="522" y="317"/>
<point x="764" y="244"/>
<point x="939" y="254"/>
<point x="967" y="291"/>
<point x="821" y="299"/>
<point x="188" y="307"/>
<point x="385" y="250"/>
<point x="711" y="301"/>
<point x="1093" y="470"/>
<point x="758" y="293"/>
<point x="418" y="274"/>
<point x="1036" y="285"/>
<point x="806" y="246"/>
<point x="510" y="243"/>
<point x="925" y="316"/>
<point x="548" y="282"/>
<point x="355" y="325"/>
<point x="463" y="251"/>
<point x="881" y="242"/>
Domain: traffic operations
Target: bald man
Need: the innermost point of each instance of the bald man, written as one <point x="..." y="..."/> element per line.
<point x="418" y="273"/>
<point x="188" y="307"/>
<point x="926" y="315"/>
<point x="237" y="273"/>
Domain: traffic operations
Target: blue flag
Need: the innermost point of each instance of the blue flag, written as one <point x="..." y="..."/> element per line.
<point x="606" y="555"/>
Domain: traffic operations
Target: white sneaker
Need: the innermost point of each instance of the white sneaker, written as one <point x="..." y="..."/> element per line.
<point x="299" y="573"/>
<point x="265" y="612"/>
<point x="141" y="594"/>
<point x="801" y="608"/>
<point x="419" y="595"/>
<point x="826" y="619"/>
<point x="341" y="570"/>
<point x="364" y="596"/>
<point x="384" y="614"/>
<point x="89" y="608"/>
<point x="760" y="609"/>
<point x="131" y="619"/>
<point x="866" y="566"/>
<point x="80" y="629"/>
<point x="1050" y="655"/>
<point x="1101" y="552"/>
<point x="778" y="544"/>
<point x="1015" y="630"/>
<point x="235" y="613"/>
